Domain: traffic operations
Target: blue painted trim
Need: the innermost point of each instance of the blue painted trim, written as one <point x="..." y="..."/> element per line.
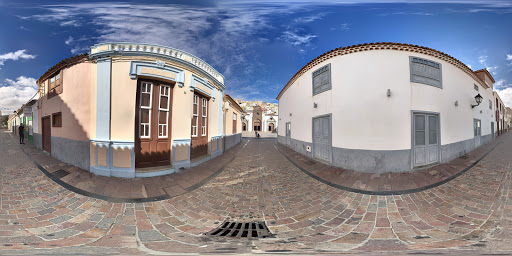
<point x="110" y="170"/>
<point x="136" y="66"/>
<point x="104" y="71"/>
<point x="154" y="174"/>
<point x="195" y="79"/>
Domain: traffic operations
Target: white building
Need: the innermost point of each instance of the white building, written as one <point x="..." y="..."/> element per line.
<point x="259" y="119"/>
<point x="386" y="107"/>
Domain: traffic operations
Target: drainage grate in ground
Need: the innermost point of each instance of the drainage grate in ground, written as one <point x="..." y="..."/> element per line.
<point x="60" y="173"/>
<point x="256" y="229"/>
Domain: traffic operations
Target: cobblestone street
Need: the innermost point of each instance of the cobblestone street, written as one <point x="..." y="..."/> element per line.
<point x="471" y="214"/>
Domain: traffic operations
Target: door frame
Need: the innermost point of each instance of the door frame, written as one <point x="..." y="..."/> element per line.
<point x="313" y="136"/>
<point x="438" y="114"/>
<point x="480" y="135"/>
<point x="288" y="134"/>
<point x="154" y="125"/>
<point x="43" y="134"/>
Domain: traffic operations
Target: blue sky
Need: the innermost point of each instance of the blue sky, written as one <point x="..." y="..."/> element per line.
<point x="258" y="47"/>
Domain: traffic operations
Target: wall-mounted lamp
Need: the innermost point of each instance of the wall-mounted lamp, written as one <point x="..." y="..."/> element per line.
<point x="389" y="92"/>
<point x="290" y="114"/>
<point x="478" y="99"/>
<point x="456" y="103"/>
<point x="315" y="105"/>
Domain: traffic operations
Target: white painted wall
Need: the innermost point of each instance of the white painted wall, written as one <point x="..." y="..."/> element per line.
<point x="364" y="117"/>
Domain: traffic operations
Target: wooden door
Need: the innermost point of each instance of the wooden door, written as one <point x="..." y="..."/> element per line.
<point x="199" y="134"/>
<point x="152" y="124"/>
<point x="47" y="134"/>
<point x="322" y="138"/>
<point x="234" y="123"/>
<point x="271" y="127"/>
<point x="257" y="125"/>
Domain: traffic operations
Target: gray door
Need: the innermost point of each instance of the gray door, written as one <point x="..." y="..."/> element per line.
<point x="477" y="130"/>
<point x="492" y="130"/>
<point x="322" y="138"/>
<point x="288" y="133"/>
<point x="425" y="139"/>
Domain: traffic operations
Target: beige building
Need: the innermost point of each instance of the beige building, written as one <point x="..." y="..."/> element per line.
<point x="133" y="110"/>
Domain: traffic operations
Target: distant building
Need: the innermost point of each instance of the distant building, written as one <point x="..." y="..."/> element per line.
<point x="259" y="116"/>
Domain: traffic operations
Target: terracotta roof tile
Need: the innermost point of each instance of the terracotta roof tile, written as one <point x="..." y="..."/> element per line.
<point x="62" y="64"/>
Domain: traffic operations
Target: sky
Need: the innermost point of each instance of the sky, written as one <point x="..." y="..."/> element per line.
<point x="257" y="45"/>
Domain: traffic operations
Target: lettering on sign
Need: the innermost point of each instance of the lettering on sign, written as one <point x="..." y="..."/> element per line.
<point x="425" y="72"/>
<point x="322" y="79"/>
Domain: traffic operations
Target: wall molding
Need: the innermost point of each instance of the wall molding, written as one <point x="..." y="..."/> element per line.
<point x="194" y="80"/>
<point x="136" y="69"/>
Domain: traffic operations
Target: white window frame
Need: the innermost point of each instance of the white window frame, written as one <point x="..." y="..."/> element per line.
<point x="204" y="114"/>
<point x="166" y="125"/>
<point x="234" y="116"/>
<point x="196" y="105"/>
<point x="145" y="107"/>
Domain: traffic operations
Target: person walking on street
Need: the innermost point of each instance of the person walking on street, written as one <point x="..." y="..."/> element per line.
<point x="21" y="132"/>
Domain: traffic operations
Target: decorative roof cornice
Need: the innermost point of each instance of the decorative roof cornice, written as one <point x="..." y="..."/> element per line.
<point x="159" y="51"/>
<point x="381" y="46"/>
<point x="487" y="72"/>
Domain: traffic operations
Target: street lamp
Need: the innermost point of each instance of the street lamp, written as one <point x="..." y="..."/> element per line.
<point x="478" y="99"/>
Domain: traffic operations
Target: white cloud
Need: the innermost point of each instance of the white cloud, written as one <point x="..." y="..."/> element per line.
<point x="492" y="70"/>
<point x="308" y="19"/>
<point x="482" y="60"/>
<point x="509" y="57"/>
<point x="342" y="27"/>
<point x="69" y="40"/>
<point x="499" y="83"/>
<point x="20" y="54"/>
<point x="14" y="93"/>
<point x="296" y="39"/>
<point x="506" y="96"/>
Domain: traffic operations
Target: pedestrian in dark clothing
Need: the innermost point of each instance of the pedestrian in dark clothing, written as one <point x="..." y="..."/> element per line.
<point x="21" y="132"/>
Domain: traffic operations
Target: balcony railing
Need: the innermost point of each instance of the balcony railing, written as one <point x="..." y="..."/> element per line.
<point x="157" y="49"/>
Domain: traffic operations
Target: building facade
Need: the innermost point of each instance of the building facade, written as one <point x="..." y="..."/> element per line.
<point x="132" y="110"/>
<point x="500" y="114"/>
<point x="259" y="116"/>
<point x="386" y="107"/>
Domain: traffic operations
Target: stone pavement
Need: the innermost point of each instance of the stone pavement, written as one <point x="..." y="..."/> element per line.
<point x="395" y="183"/>
<point x="128" y="190"/>
<point x="471" y="214"/>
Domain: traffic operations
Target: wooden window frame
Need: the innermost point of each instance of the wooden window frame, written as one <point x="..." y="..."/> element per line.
<point x="142" y="133"/>
<point x="54" y="124"/>
<point x="56" y="87"/>
<point x="204" y="116"/>
<point x="196" y="106"/>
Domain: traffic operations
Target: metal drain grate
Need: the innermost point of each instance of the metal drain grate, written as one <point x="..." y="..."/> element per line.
<point x="256" y="229"/>
<point x="60" y="173"/>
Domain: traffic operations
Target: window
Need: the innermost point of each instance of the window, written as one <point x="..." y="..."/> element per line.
<point x="322" y="79"/>
<point x="476" y="87"/>
<point x="55" y="86"/>
<point x="195" y="116"/>
<point x="57" y="119"/>
<point x="490" y="104"/>
<point x="425" y="71"/>
<point x="204" y="115"/>
<point x="477" y="128"/>
<point x="146" y="92"/>
<point x="163" y="111"/>
<point x="234" y="123"/>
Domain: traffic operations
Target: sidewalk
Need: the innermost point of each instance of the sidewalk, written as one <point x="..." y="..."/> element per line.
<point x="115" y="189"/>
<point x="388" y="183"/>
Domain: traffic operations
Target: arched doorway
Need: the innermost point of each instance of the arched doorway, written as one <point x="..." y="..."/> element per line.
<point x="271" y="127"/>
<point x="244" y="127"/>
<point x="257" y="125"/>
